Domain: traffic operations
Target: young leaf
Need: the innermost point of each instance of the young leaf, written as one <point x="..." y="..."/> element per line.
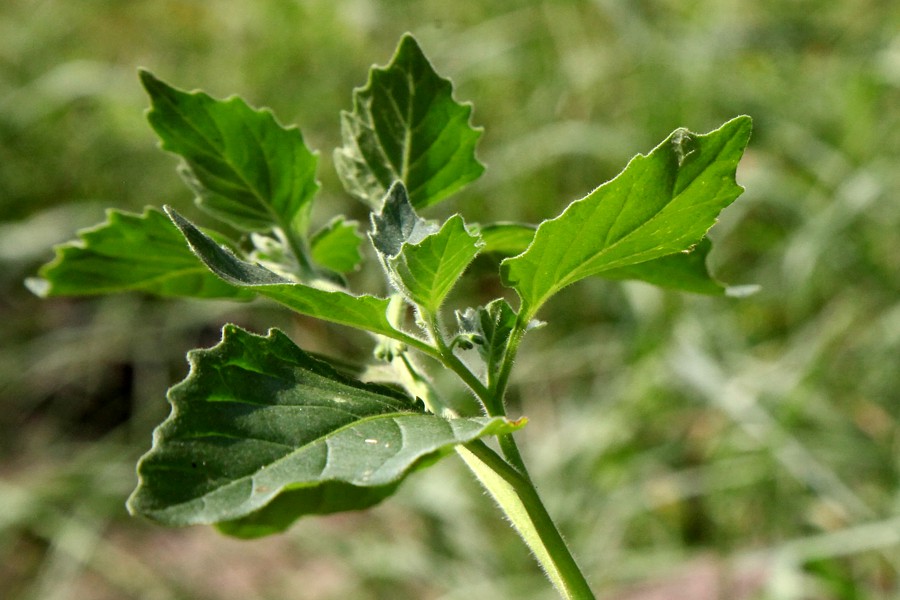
<point x="245" y="168"/>
<point x="405" y="126"/>
<point x="488" y="328"/>
<point x="130" y="252"/>
<point x="423" y="263"/>
<point x="336" y="246"/>
<point x="683" y="271"/>
<point x="257" y="417"/>
<point x="362" y="312"/>
<point x="397" y="223"/>
<point x="662" y="203"/>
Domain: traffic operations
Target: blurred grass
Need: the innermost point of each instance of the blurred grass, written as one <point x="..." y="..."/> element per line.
<point x="674" y="436"/>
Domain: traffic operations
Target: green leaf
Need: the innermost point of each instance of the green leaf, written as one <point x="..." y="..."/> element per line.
<point x="362" y="312"/>
<point x="405" y="126"/>
<point x="325" y="498"/>
<point x="488" y="329"/>
<point x="397" y="223"/>
<point x="661" y="204"/>
<point x="257" y="421"/>
<point x="130" y="252"/>
<point x="336" y="246"/>
<point x="506" y="238"/>
<point x="245" y="168"/>
<point x="683" y="271"/>
<point x="423" y="263"/>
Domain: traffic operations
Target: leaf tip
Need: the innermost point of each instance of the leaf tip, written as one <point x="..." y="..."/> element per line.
<point x="742" y="124"/>
<point x="148" y="80"/>
<point x="408" y="43"/>
<point x="175" y="217"/>
<point x="38" y="286"/>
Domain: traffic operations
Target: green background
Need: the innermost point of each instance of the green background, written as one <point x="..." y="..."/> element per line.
<point x="748" y="448"/>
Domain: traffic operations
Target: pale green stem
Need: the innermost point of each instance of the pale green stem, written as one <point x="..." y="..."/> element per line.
<point x="491" y="397"/>
<point x="508" y="480"/>
<point x="519" y="500"/>
<point x="298" y="248"/>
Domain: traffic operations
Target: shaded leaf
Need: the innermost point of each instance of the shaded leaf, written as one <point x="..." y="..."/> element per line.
<point x="406" y="126"/>
<point x="423" y="263"/>
<point x="245" y="168"/>
<point x="336" y="246"/>
<point x="130" y="252"/>
<point x="257" y="419"/>
<point x="322" y="499"/>
<point x="488" y="328"/>
<point x="684" y="271"/>
<point x="662" y="203"/>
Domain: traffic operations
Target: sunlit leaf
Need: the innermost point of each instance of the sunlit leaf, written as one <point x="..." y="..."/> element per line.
<point x="661" y="204"/>
<point x="683" y="271"/>
<point x="130" y="252"/>
<point x="245" y="168"/>
<point x="406" y="126"/>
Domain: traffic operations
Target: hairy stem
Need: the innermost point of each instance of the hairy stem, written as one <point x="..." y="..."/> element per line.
<point x="497" y="389"/>
<point x="519" y="500"/>
<point x="452" y="362"/>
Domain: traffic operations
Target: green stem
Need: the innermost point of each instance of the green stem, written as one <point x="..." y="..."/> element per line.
<point x="491" y="398"/>
<point x="511" y="453"/>
<point x="452" y="362"/>
<point x="508" y="480"/>
<point x="414" y="342"/>
<point x="501" y="382"/>
<point x="297" y="247"/>
<point x="519" y="500"/>
<point x="497" y="389"/>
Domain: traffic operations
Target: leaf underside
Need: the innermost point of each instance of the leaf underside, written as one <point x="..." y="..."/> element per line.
<point x="363" y="312"/>
<point x="130" y="252"/>
<point x="422" y="261"/>
<point x="661" y="204"/>
<point x="262" y="433"/>
<point x="683" y="271"/>
<point x="406" y="126"/>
